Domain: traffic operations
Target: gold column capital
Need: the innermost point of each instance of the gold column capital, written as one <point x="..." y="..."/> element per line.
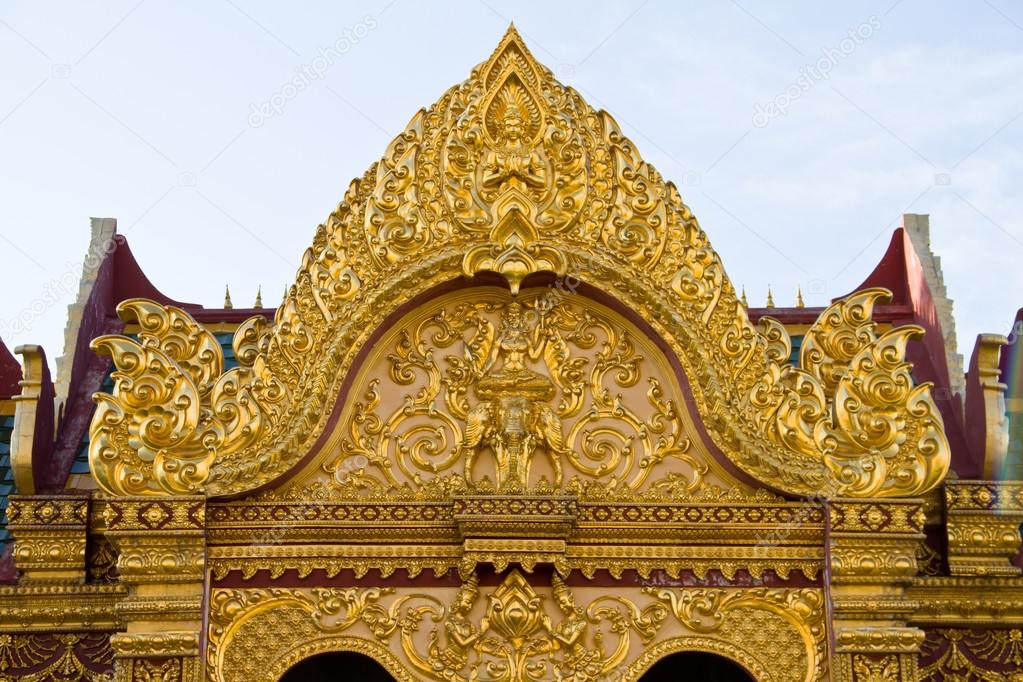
<point x="983" y="520"/>
<point x="161" y="545"/>
<point x="872" y="547"/>
<point x="49" y="536"/>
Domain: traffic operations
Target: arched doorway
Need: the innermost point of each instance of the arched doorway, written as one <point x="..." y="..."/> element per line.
<point x="696" y="666"/>
<point x="337" y="666"/>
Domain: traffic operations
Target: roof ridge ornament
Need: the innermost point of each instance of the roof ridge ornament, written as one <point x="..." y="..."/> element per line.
<point x="513" y="172"/>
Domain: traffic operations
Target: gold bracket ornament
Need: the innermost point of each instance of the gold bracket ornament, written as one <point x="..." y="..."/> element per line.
<point x="515" y="250"/>
<point x="851" y="404"/>
<point x="50" y="536"/>
<point x="513" y="172"/>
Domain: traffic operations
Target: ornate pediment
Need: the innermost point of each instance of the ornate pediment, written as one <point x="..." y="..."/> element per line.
<point x="479" y="391"/>
<point x="513" y="173"/>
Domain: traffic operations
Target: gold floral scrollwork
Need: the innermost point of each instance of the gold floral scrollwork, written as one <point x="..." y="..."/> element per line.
<point x="852" y="405"/>
<point x="173" y="410"/>
<point x="517" y="631"/>
<point x="542" y="391"/>
<point x="742" y="614"/>
<point x="328" y="610"/>
<point x="515" y="639"/>
<point x="513" y="172"/>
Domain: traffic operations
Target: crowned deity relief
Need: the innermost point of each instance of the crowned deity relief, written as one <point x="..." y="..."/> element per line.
<point x="514" y="416"/>
<point x="512" y="153"/>
<point x="514" y="632"/>
<point x="513" y="160"/>
<point x="578" y="663"/>
<point x="460" y="634"/>
<point x="488" y="393"/>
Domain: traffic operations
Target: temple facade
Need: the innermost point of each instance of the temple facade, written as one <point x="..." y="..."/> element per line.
<point x="513" y="422"/>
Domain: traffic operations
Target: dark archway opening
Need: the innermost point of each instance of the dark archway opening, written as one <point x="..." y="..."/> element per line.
<point x="696" y="666"/>
<point x="337" y="666"/>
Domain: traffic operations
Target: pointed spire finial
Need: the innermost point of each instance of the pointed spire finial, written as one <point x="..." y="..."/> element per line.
<point x="799" y="298"/>
<point x="259" y="297"/>
<point x="227" y="297"/>
<point x="742" y="298"/>
<point x="510" y="32"/>
<point x="770" y="297"/>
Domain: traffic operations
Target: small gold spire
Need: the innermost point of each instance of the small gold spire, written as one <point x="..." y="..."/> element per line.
<point x="770" y="297"/>
<point x="259" y="298"/>
<point x="742" y="298"/>
<point x="799" y="298"/>
<point x="227" y="297"/>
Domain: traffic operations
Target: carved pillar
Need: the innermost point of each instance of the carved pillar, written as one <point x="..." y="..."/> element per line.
<point x="49" y="536"/>
<point x="983" y="520"/>
<point x="162" y="558"/>
<point x="872" y="558"/>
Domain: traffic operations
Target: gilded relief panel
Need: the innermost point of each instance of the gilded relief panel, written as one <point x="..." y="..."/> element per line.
<point x="517" y="632"/>
<point x="480" y="391"/>
<point x="47" y="656"/>
<point x="972" y="655"/>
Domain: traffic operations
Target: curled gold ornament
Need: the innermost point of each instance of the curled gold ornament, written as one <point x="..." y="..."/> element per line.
<point x="852" y="404"/>
<point x="173" y="410"/>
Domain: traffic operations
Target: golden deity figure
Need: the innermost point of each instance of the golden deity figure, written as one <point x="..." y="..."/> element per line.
<point x="460" y="633"/>
<point x="578" y="664"/>
<point x="513" y="161"/>
<point x="514" y="417"/>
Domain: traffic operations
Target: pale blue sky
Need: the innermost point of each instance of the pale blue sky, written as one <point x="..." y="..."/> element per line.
<point x="143" y="111"/>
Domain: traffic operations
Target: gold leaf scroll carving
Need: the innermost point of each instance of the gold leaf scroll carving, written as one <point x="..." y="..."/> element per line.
<point x="852" y="402"/>
<point x="513" y="172"/>
<point x="516" y="632"/>
<point x="510" y="394"/>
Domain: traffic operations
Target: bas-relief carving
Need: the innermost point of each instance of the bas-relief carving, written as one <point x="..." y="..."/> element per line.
<point x="500" y="392"/>
<point x="48" y="656"/>
<point x="512" y="172"/>
<point x="517" y="632"/>
<point x="479" y="391"/>
<point x="972" y="655"/>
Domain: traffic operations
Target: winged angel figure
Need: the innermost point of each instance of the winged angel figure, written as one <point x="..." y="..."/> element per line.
<point x="514" y="417"/>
